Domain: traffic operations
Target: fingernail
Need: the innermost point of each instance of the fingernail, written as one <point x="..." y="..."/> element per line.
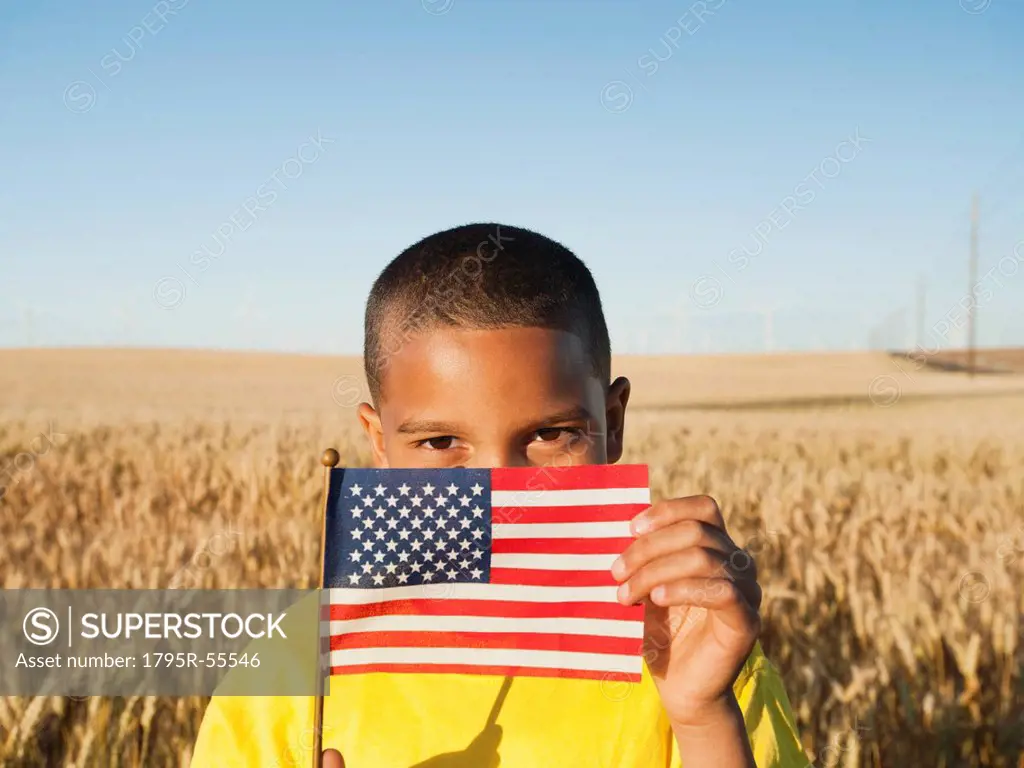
<point x="623" y="593"/>
<point x="658" y="594"/>
<point x="618" y="568"/>
<point x="641" y="525"/>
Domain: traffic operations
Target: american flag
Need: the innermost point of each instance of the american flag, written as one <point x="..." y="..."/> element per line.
<point x="482" y="571"/>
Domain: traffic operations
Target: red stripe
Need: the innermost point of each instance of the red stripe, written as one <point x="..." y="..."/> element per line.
<point x="524" y="640"/>
<point x="469" y="669"/>
<point x="607" y="513"/>
<point x="560" y="546"/>
<point x="498" y="608"/>
<point x="569" y="478"/>
<point x="540" y="578"/>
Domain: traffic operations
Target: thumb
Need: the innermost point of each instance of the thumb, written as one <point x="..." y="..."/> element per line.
<point x="333" y="759"/>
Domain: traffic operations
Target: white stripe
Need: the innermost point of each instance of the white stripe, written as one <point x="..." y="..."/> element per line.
<point x="613" y="530"/>
<point x="491" y="657"/>
<point x="571" y="498"/>
<point x="554" y="562"/>
<point x="492" y="592"/>
<point x="470" y="624"/>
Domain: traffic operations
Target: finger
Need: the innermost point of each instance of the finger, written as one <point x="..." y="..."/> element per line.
<point x="719" y="595"/>
<point x="692" y="563"/>
<point x="742" y="565"/>
<point x="670" y="511"/>
<point x="665" y="541"/>
<point x="333" y="759"/>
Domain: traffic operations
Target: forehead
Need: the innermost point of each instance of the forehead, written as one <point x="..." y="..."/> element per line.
<point x="480" y="374"/>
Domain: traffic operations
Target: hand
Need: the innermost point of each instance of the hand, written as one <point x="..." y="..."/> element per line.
<point x="702" y="600"/>
<point x="333" y="759"/>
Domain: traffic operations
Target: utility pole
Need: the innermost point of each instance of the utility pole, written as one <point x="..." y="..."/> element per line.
<point x="973" y="271"/>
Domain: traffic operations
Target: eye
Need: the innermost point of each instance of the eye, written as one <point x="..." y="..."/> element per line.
<point x="442" y="443"/>
<point x="558" y="434"/>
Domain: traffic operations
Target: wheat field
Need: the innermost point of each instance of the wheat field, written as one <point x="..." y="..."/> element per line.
<point x="885" y="507"/>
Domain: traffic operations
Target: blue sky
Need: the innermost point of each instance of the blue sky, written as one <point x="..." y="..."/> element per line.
<point x="658" y="140"/>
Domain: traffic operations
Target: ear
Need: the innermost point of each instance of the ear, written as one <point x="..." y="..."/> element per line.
<point x="615" y="417"/>
<point x="370" y="421"/>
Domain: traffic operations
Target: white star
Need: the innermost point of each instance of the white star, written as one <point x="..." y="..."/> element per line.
<point x="428" y="534"/>
<point x="380" y="535"/>
<point x="356" y="533"/>
<point x="392" y="546"/>
<point x="464" y="500"/>
<point x="403" y="534"/>
<point x="464" y="564"/>
<point x="391" y="567"/>
<point x="416" y="544"/>
<point x="428" y="512"/>
<point x="415" y="567"/>
<point x="356" y="512"/>
<point x="428" y="489"/>
<point x="476" y="573"/>
<point x="368" y="500"/>
<point x="477" y="512"/>
<point x="465" y="522"/>
<point x="368" y="522"/>
<point x="428" y="556"/>
<point x="355" y="556"/>
<point x="440" y="523"/>
<point x="453" y="534"/>
<point x="392" y="500"/>
<point x="428" y="575"/>
<point x="380" y="489"/>
<point x="404" y="489"/>
<point x="415" y="501"/>
<point x="452" y="555"/>
<point x="378" y="557"/>
<point x="464" y="544"/>
<point x="380" y="511"/>
<point x="452" y="489"/>
<point x="403" y="512"/>
<point x="453" y="511"/>
<point x="378" y="578"/>
<point x="403" y="557"/>
<point x="356" y="490"/>
<point x="476" y="489"/>
<point x="392" y="524"/>
<point x="367" y="568"/>
<point x="477" y="533"/>
<point x="403" y="577"/>
<point x="353" y="578"/>
<point x="452" y="574"/>
<point x="368" y="545"/>
<point x="416" y="523"/>
<point x="477" y="554"/>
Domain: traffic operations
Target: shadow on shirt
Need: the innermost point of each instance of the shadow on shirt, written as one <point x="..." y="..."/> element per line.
<point x="482" y="752"/>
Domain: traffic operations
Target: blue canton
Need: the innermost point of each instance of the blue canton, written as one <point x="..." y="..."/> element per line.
<point x="408" y="527"/>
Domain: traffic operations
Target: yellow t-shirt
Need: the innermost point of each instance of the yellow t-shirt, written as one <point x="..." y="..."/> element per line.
<point x="448" y="721"/>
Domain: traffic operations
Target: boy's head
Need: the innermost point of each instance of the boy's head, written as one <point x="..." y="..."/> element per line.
<point x="486" y="346"/>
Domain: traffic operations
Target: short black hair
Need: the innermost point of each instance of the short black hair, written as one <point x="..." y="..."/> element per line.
<point x="482" y="276"/>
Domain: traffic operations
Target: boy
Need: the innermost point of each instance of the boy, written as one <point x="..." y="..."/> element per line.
<point x="486" y="346"/>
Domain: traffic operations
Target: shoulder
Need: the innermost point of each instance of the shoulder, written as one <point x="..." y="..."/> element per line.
<point x="254" y="730"/>
<point x="768" y="714"/>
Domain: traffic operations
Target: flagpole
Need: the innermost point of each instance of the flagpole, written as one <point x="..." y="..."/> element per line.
<point x="330" y="460"/>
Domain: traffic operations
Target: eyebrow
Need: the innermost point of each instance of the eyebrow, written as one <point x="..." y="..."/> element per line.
<point x="576" y="413"/>
<point x="416" y="427"/>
